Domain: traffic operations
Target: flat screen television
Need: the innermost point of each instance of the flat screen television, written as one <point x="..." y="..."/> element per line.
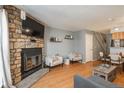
<point x="32" y="28"/>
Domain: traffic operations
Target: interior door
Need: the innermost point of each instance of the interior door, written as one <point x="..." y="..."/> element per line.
<point x="89" y="47"/>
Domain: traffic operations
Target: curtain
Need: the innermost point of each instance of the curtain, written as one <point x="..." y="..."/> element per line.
<point x="0" y="55"/>
<point x="4" y="51"/>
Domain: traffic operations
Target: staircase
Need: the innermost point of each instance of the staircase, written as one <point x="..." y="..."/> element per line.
<point x="101" y="41"/>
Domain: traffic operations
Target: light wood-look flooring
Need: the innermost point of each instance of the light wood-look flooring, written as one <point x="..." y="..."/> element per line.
<point x="62" y="77"/>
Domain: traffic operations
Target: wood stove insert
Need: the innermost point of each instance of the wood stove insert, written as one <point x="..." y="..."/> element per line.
<point x="31" y="61"/>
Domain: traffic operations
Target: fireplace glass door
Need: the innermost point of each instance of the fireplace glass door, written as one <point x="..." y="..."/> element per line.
<point x="32" y="62"/>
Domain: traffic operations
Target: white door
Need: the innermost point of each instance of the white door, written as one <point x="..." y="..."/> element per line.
<point x="89" y="47"/>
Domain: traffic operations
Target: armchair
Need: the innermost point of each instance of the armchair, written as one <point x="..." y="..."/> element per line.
<point x="117" y="60"/>
<point x="104" y="58"/>
<point x="75" y="56"/>
<point x="53" y="61"/>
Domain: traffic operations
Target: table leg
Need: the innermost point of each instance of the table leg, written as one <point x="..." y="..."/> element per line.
<point x="123" y="66"/>
<point x="106" y="77"/>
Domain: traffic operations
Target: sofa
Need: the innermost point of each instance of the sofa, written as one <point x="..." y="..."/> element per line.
<point x="92" y="82"/>
<point x="53" y="60"/>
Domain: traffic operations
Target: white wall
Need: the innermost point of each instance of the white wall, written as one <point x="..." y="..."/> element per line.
<point x="116" y="50"/>
<point x="63" y="48"/>
<point x="80" y="42"/>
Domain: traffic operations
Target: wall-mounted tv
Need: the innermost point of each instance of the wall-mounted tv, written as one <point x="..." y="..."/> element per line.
<point x="32" y="28"/>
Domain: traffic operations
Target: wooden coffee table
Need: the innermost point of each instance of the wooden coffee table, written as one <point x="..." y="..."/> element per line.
<point x="107" y="73"/>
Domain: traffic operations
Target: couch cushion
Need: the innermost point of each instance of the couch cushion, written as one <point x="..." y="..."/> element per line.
<point x="103" y="82"/>
<point x="81" y="82"/>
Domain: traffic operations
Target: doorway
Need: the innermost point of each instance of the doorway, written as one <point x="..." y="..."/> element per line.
<point x="89" y="47"/>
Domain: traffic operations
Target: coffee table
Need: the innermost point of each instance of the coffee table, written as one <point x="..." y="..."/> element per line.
<point x="107" y="73"/>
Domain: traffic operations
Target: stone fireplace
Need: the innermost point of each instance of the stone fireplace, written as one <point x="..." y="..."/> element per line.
<point x="31" y="61"/>
<point x="22" y="61"/>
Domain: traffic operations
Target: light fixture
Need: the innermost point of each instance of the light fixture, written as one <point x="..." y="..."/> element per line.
<point x="27" y="30"/>
<point x="116" y="28"/>
<point x="110" y="19"/>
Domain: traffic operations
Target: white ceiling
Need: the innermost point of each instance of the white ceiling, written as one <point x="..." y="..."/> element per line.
<point x="75" y="17"/>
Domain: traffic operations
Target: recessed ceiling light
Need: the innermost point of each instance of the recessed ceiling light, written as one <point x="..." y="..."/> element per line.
<point x="116" y="28"/>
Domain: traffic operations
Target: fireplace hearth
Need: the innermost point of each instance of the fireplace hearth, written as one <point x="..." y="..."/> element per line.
<point x="31" y="61"/>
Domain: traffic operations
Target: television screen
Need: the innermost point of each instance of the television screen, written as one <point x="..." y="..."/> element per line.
<point x="32" y="28"/>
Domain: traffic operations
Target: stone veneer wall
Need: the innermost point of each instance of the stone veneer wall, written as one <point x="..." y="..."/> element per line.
<point x="18" y="41"/>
